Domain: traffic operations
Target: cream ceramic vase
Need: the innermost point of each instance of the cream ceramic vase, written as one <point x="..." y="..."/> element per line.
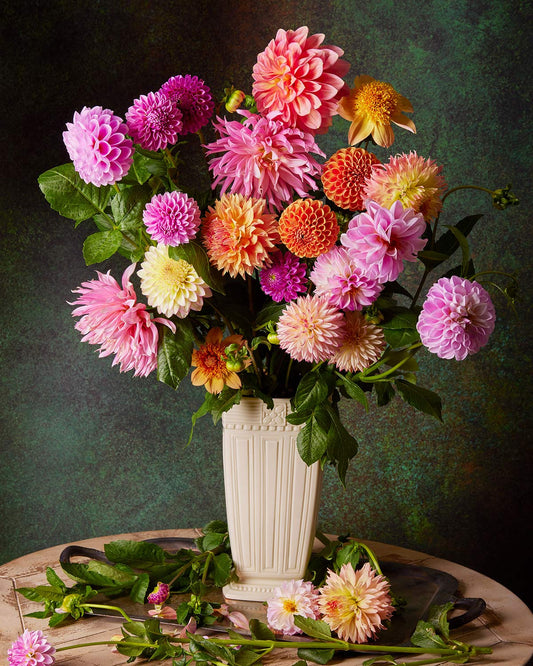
<point x="272" y="498"/>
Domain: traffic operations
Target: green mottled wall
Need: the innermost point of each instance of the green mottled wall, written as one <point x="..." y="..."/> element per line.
<point x="87" y="451"/>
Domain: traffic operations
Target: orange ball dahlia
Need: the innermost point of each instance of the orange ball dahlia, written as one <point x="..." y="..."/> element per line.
<point x="344" y="177"/>
<point x="308" y="228"/>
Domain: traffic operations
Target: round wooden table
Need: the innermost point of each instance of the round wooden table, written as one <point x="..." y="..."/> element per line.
<point x="506" y="625"/>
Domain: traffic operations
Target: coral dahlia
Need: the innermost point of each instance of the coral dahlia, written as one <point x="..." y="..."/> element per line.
<point x="284" y="279"/>
<point x="299" y="81"/>
<point x="209" y="362"/>
<point x="344" y="177"/>
<point x="193" y="98"/>
<point x="362" y="344"/>
<point x="172" y="218"/>
<point x="293" y="597"/>
<point x="31" y="649"/>
<point x="239" y="235"/>
<point x="308" y="227"/>
<point x="154" y="121"/>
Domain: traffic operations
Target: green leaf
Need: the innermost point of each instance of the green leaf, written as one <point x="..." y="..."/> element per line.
<point x="420" y="398"/>
<point x="260" y="631"/>
<point x="247" y="657"/>
<point x="224" y="402"/>
<point x="348" y="554"/>
<point x="316" y="655"/>
<point x="134" y="552"/>
<point x="194" y="254"/>
<point x="212" y="540"/>
<point x="432" y="257"/>
<point x="127" y="207"/>
<point x="271" y="312"/>
<point x="341" y="446"/>
<point x="312" y="441"/>
<point x="140" y="588"/>
<point x="313" y="628"/>
<point x="465" y="249"/>
<point x="222" y="565"/>
<point x="384" y="392"/>
<point x="353" y="389"/>
<point x="42" y="593"/>
<point x="70" y="196"/>
<point x="205" y="408"/>
<point x="409" y="362"/>
<point x="448" y="243"/>
<point x="311" y="392"/>
<point x="401" y="329"/>
<point x="216" y="527"/>
<point x="54" y="579"/>
<point x="438" y="617"/>
<point x="101" y="245"/>
<point x="425" y="636"/>
<point x="174" y="353"/>
<point x="57" y="618"/>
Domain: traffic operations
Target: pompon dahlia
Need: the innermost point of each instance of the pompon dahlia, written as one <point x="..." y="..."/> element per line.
<point x="380" y="240"/>
<point x="338" y="278"/>
<point x="31" y="649"/>
<point x="263" y="158"/>
<point x="298" y="81"/>
<point x="97" y="145"/>
<point x="285" y="278"/>
<point x="239" y="235"/>
<point x="411" y="179"/>
<point x="371" y="106"/>
<point x="159" y="594"/>
<point x="209" y="362"/>
<point x="154" y="121"/>
<point x="457" y="318"/>
<point x="172" y="218"/>
<point x="362" y="344"/>
<point x="344" y="177"/>
<point x="308" y="227"/>
<point x="172" y="286"/>
<point x="310" y="329"/>
<point x="112" y="318"/>
<point x="293" y="597"/>
<point x="193" y="98"/>
<point x="355" y="603"/>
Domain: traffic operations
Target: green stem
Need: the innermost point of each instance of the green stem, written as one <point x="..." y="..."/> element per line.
<point x="106" y="607"/>
<point x="421" y="284"/>
<point x="377" y="378"/>
<point x="223" y="317"/>
<point x="206" y="566"/>
<point x="170" y="158"/>
<point x="116" y="187"/>
<point x="289" y="368"/>
<point x="254" y="362"/>
<point x="371" y="557"/>
<point x="466" y="187"/>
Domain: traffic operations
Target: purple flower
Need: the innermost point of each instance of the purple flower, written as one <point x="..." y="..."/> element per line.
<point x="285" y="278"/>
<point x="159" y="595"/>
<point x="154" y="121"/>
<point x="96" y="143"/>
<point x="457" y="318"/>
<point x="193" y="98"/>
<point x="172" y="218"/>
<point x="31" y="649"/>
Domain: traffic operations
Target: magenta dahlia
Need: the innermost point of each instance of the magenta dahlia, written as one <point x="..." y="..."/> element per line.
<point x="154" y="121"/>
<point x="97" y="145"/>
<point x="457" y="318"/>
<point x="172" y="218"/>
<point x="193" y="98"/>
<point x="31" y="649"/>
<point x="285" y="278"/>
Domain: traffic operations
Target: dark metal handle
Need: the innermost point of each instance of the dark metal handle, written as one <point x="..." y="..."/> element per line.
<point x="473" y="608"/>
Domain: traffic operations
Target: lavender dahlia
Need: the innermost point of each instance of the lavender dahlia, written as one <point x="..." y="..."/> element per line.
<point x="31" y="649"/>
<point x="193" y="98"/>
<point x="172" y="218"/>
<point x="284" y="279"/>
<point x="154" y="121"/>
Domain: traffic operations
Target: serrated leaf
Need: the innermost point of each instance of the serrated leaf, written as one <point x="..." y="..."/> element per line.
<point x="54" y="579"/>
<point x="247" y="657"/>
<point x="127" y="207"/>
<point x="420" y="398"/>
<point x="311" y="392"/>
<point x="101" y="245"/>
<point x="57" y="619"/>
<point x="313" y="628"/>
<point x="215" y="526"/>
<point x="382" y="659"/>
<point x="174" y="353"/>
<point x="425" y="636"/>
<point x="42" y="593"/>
<point x="222" y="565"/>
<point x="134" y="552"/>
<point x="212" y="540"/>
<point x="353" y="390"/>
<point x="316" y="655"/>
<point x="312" y="441"/>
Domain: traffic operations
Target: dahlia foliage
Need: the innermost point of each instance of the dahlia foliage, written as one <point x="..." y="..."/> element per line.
<point x="279" y="276"/>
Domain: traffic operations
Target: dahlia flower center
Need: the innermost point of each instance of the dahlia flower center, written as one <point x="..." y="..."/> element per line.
<point x="210" y="358"/>
<point x="289" y="606"/>
<point x="175" y="272"/>
<point x="157" y="119"/>
<point x="377" y="100"/>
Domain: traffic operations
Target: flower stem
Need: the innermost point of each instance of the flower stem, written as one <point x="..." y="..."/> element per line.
<point x="465" y="187"/>
<point x="106" y="607"/>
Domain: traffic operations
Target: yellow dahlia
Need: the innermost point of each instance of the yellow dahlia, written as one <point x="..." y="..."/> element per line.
<point x="362" y="344"/>
<point x="344" y="177"/>
<point x="371" y="106"/>
<point x="210" y="363"/>
<point x="171" y="286"/>
<point x="239" y="234"/>
<point x="308" y="228"/>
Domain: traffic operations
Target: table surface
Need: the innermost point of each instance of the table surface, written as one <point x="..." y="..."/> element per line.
<point x="506" y="625"/>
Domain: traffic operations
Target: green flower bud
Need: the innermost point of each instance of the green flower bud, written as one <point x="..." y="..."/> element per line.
<point x="504" y="197"/>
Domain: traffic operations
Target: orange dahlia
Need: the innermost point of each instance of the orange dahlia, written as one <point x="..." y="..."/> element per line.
<point x="210" y="363"/>
<point x="371" y="106"/>
<point x="239" y="234"/>
<point x="308" y="228"/>
<point x="344" y="177"/>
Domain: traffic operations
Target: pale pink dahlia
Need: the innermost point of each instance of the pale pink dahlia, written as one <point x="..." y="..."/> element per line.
<point x="381" y="239"/>
<point x="193" y="98"/>
<point x="112" y="318"/>
<point x="97" y="145"/>
<point x="362" y="344"/>
<point x="310" y="329"/>
<point x="355" y="603"/>
<point x="285" y="278"/>
<point x="293" y="597"/>
<point x="337" y="277"/>
<point x="457" y="318"/>
<point x="172" y="218"/>
<point x="31" y="649"/>
<point x="263" y="158"/>
<point x="298" y="81"/>
<point x="154" y="121"/>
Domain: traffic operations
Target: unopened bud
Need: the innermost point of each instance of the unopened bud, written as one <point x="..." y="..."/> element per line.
<point x="503" y="197"/>
<point x="234" y="100"/>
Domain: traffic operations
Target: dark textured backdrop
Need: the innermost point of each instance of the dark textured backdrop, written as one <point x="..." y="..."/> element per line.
<point x="87" y="451"/>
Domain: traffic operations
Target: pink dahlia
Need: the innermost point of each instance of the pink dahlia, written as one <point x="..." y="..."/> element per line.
<point x="310" y="329"/>
<point x="298" y="81"/>
<point x="154" y="121"/>
<point x="31" y="649"/>
<point x="362" y="344"/>
<point x="337" y="277"/>
<point x="193" y="98"/>
<point x="264" y="159"/>
<point x="112" y="318"/>
<point x="293" y="597"/>
<point x="285" y="278"/>
<point x="172" y="218"/>
<point x="457" y="318"/>
<point x="380" y="240"/>
<point x="97" y="145"/>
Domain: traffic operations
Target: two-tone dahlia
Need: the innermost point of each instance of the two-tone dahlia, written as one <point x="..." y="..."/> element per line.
<point x="154" y="121"/>
<point x="362" y="344"/>
<point x="371" y="106"/>
<point x="310" y="329"/>
<point x="239" y="234"/>
<point x="112" y="318"/>
<point x="339" y="279"/>
<point x="172" y="286"/>
<point x="381" y="239"/>
<point x="285" y="278"/>
<point x="411" y="179"/>
<point x="172" y="218"/>
<point x="299" y="81"/>
<point x="209" y="363"/>
<point x="192" y="98"/>
<point x="344" y="177"/>
<point x="263" y="158"/>
<point x="97" y="145"/>
<point x="31" y="649"/>
<point x="308" y="228"/>
<point x="293" y="597"/>
<point x="457" y="318"/>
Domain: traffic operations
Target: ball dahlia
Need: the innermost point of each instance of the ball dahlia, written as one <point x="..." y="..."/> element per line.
<point x="344" y="177"/>
<point x="154" y="121"/>
<point x="293" y="597"/>
<point x="308" y="228"/>
<point x="193" y="98"/>
<point x="362" y="344"/>
<point x="172" y="218"/>
<point x="285" y="278"/>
